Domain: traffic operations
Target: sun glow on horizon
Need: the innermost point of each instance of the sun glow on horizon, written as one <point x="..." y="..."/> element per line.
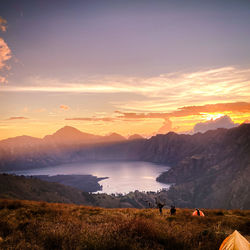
<point x="214" y="116"/>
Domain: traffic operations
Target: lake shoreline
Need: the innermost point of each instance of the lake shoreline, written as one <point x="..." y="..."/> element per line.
<point x="106" y="176"/>
<point x="86" y="183"/>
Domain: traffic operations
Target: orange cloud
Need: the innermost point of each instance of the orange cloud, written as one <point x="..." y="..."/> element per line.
<point x="241" y="107"/>
<point x="104" y="119"/>
<point x="183" y="118"/>
<point x="64" y="107"/>
<point x="167" y="126"/>
<point x="5" y="53"/>
<point x="3" y="24"/>
<point x="17" y="118"/>
<point x="40" y="110"/>
<point x="163" y="92"/>
<point x="3" y="79"/>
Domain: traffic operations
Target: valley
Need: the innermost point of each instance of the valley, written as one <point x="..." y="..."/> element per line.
<point x="208" y="170"/>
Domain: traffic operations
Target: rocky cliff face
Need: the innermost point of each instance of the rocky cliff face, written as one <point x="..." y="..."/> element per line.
<point x="218" y="176"/>
<point x="209" y="170"/>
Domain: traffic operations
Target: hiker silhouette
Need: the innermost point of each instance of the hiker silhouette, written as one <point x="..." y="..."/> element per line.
<point x="160" y="205"/>
<point x="172" y="210"/>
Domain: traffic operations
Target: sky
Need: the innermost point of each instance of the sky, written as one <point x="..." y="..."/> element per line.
<point x="124" y="66"/>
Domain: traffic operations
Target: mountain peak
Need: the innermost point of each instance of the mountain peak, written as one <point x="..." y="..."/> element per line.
<point x="114" y="137"/>
<point x="67" y="130"/>
<point x="23" y="139"/>
<point x="135" y="137"/>
<point x="70" y="135"/>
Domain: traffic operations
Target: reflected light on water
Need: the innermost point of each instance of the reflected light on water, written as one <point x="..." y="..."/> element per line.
<point x="123" y="177"/>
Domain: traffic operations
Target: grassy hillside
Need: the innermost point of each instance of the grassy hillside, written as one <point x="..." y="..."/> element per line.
<point x="19" y="187"/>
<point x="40" y="225"/>
<point x="27" y="188"/>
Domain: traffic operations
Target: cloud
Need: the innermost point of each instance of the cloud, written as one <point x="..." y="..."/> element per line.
<point x="222" y="122"/>
<point x="198" y="111"/>
<point x="3" y="24"/>
<point x="3" y="79"/>
<point x="104" y="119"/>
<point x="64" y="107"/>
<point x="241" y="107"/>
<point x="131" y="115"/>
<point x="178" y="89"/>
<point x="41" y="110"/>
<point x="5" y="53"/>
<point x="17" y="118"/>
<point x="165" y="92"/>
<point x="192" y="114"/>
<point x="167" y="126"/>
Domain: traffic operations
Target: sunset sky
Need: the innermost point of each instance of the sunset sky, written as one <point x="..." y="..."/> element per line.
<point x="125" y="66"/>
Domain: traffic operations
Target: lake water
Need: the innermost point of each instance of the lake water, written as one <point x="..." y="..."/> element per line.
<point x="123" y="176"/>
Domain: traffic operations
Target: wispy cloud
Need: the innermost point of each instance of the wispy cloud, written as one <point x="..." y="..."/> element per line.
<point x="5" y="52"/>
<point x="161" y="93"/>
<point x="17" y="118"/>
<point x="242" y="107"/>
<point x="3" y="24"/>
<point x="104" y="119"/>
<point x="64" y="107"/>
<point x="187" y="116"/>
<point x="40" y="110"/>
<point x="166" y="127"/>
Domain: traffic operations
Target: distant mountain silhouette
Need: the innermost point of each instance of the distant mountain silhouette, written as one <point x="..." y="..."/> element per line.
<point x="24" y="139"/>
<point x="66" y="136"/>
<point x="114" y="137"/>
<point x="135" y="137"/>
<point x="70" y="135"/>
<point x="29" y="152"/>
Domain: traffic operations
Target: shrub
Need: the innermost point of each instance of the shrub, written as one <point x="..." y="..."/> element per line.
<point x="5" y="228"/>
<point x="14" y="205"/>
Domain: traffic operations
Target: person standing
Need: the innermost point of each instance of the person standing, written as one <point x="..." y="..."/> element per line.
<point x="160" y="205"/>
<point x="172" y="210"/>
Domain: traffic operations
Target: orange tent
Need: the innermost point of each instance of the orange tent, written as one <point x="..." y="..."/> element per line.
<point x="195" y="213"/>
<point x="235" y="241"/>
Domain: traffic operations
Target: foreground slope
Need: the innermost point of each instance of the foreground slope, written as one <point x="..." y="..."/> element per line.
<point x="27" y="188"/>
<point x="34" y="225"/>
<point x="19" y="187"/>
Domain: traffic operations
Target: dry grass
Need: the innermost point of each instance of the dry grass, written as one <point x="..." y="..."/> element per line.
<point x="40" y="225"/>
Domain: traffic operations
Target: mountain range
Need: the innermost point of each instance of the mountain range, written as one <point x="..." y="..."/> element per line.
<point x="208" y="170"/>
<point x="23" y="152"/>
